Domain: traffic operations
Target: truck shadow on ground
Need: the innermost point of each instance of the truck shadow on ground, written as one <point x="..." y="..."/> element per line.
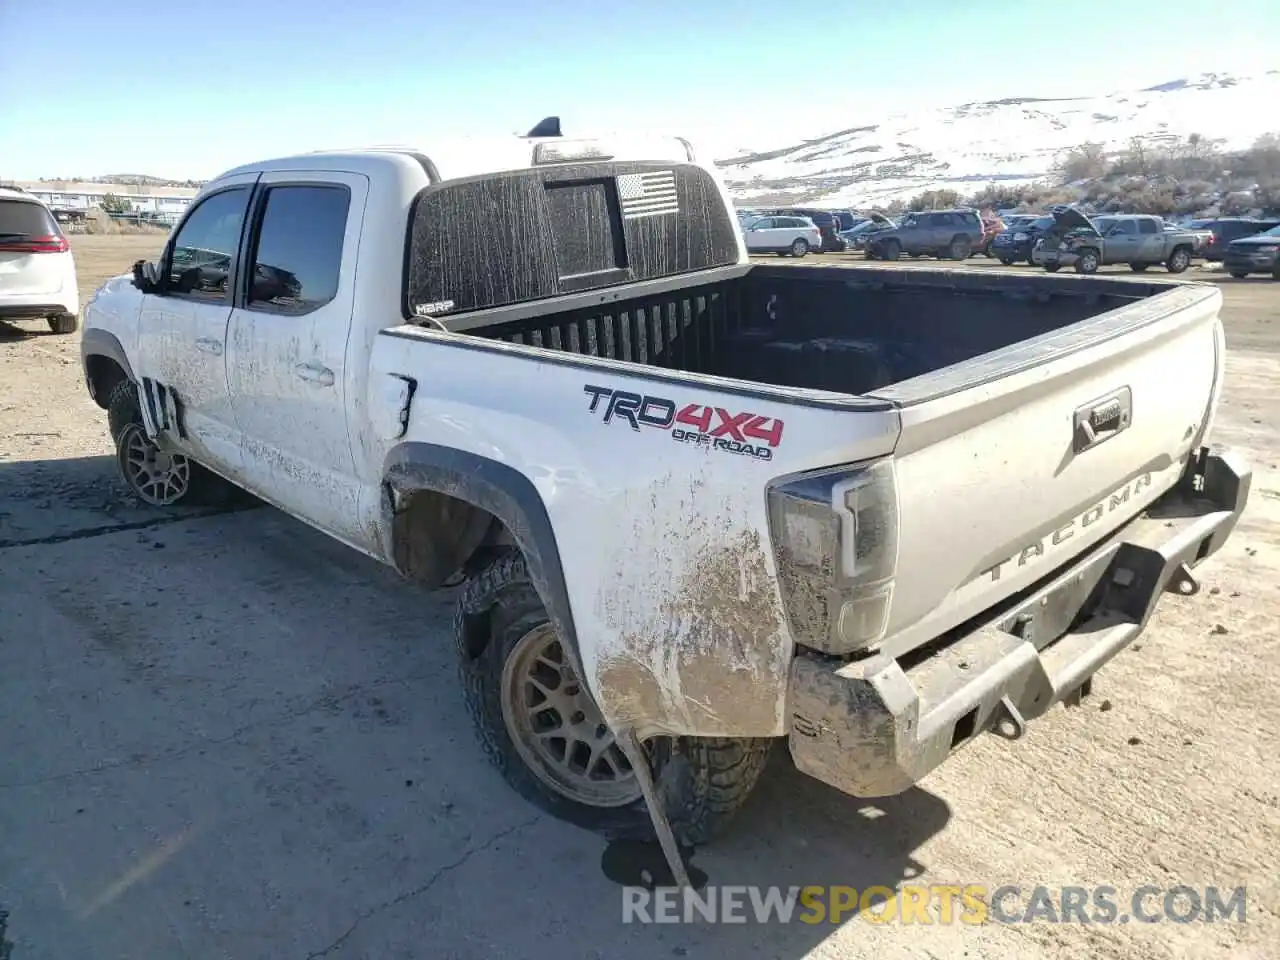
<point x="300" y="704"/>
<point x="28" y="330"/>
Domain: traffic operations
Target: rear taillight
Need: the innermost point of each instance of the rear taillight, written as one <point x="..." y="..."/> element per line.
<point x="835" y="543"/>
<point x="47" y="244"/>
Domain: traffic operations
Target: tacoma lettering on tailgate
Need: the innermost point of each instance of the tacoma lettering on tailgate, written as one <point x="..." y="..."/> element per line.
<point x="745" y="433"/>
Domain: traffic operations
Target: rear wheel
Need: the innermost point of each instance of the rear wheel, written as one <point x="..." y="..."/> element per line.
<point x="800" y="248"/>
<point x="64" y="323"/>
<point x="960" y="248"/>
<point x="538" y="724"/>
<point x="1087" y="261"/>
<point x="890" y="250"/>
<point x="1179" y="260"/>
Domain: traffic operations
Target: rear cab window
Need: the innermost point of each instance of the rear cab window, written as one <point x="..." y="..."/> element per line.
<point x="527" y="235"/>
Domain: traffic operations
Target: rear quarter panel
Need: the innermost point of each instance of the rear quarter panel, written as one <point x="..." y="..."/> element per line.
<point x="664" y="542"/>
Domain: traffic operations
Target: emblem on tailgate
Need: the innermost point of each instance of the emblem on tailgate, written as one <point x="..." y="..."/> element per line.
<point x="1035" y="549"/>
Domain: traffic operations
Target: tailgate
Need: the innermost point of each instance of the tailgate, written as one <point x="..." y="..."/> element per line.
<point x="1015" y="462"/>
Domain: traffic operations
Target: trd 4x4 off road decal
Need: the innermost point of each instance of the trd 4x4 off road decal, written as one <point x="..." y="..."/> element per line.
<point x="746" y="433"/>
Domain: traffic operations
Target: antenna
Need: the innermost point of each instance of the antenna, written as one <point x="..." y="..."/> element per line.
<point x="546" y="127"/>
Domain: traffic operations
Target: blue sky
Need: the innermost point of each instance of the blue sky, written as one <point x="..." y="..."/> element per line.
<point x="188" y="89"/>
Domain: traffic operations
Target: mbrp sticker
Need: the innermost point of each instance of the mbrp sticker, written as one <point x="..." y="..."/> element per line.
<point x="744" y="433"/>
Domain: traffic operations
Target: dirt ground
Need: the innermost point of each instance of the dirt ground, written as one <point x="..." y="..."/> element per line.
<point x="227" y="736"/>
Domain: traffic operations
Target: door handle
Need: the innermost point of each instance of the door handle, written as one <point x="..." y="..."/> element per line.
<point x="209" y="345"/>
<point x="314" y="373"/>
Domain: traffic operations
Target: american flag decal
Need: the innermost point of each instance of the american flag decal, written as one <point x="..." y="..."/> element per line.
<point x="648" y="194"/>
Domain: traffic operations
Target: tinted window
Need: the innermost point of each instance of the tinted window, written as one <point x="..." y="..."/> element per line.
<point x="299" y="248"/>
<point x="943" y="220"/>
<point x="764" y="223"/>
<point x="27" y="219"/>
<point x="205" y="246"/>
<point x="1043" y="223"/>
<point x="1234" y="229"/>
<point x="1125" y="227"/>
<point x="1148" y="226"/>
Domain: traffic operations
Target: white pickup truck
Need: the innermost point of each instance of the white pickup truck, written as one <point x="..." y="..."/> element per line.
<point x="696" y="505"/>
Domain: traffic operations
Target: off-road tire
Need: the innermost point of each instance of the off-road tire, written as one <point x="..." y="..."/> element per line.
<point x="205" y="488"/>
<point x="64" y="323"/>
<point x="703" y="781"/>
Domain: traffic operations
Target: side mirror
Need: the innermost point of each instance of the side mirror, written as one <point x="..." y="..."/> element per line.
<point x="145" y="277"/>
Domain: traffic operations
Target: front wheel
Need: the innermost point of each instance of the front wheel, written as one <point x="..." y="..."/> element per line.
<point x="540" y="727"/>
<point x="890" y="250"/>
<point x="1087" y="261"/>
<point x="1178" y="261"/>
<point x="158" y="477"/>
<point x="960" y="248"/>
<point x="800" y="248"/>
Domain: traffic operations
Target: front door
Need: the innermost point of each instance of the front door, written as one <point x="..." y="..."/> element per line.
<point x="1121" y="243"/>
<point x="287" y="346"/>
<point x="182" y="328"/>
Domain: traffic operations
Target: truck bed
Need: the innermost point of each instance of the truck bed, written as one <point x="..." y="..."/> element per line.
<point x="848" y="331"/>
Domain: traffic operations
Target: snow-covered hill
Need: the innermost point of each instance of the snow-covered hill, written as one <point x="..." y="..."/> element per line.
<point x="874" y="161"/>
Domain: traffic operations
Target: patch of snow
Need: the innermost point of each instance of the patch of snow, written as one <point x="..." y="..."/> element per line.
<point x="872" y="160"/>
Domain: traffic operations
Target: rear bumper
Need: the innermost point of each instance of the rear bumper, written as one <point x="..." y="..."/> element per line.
<point x="37" y="306"/>
<point x="875" y="727"/>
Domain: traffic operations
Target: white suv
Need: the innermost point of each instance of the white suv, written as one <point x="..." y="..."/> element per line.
<point x="782" y="235"/>
<point x="37" y="273"/>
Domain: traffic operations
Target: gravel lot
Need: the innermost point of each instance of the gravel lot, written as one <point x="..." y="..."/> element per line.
<point x="227" y="736"/>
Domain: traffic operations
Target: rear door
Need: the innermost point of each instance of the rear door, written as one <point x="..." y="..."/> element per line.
<point x="30" y="242"/>
<point x="287" y="346"/>
<point x="1150" y="241"/>
<point x="999" y="482"/>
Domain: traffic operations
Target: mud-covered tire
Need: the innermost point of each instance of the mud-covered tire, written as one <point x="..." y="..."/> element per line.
<point x="204" y="488"/>
<point x="703" y="781"/>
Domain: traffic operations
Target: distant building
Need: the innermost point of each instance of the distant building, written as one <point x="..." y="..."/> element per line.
<point x="72" y="199"/>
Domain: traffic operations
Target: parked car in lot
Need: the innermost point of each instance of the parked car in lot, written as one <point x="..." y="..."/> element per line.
<point x="797" y="236"/>
<point x="37" y="269"/>
<point x="1259" y="253"/>
<point x="700" y="508"/>
<point x="1226" y="230"/>
<point x="947" y="234"/>
<point x="825" y="220"/>
<point x="1138" y="240"/>
<point x="857" y="237"/>
<point x="1019" y="237"/>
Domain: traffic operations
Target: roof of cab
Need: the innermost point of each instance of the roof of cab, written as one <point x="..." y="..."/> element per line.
<point x="451" y="159"/>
